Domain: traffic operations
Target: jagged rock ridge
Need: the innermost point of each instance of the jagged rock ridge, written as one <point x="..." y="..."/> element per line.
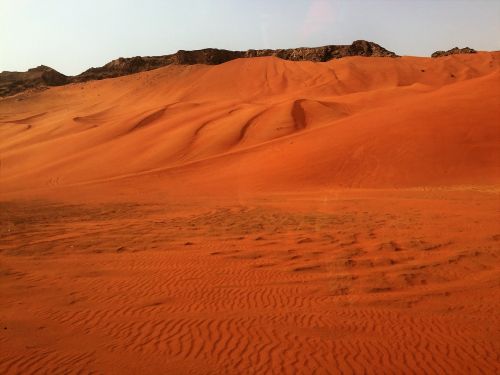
<point x="14" y="82"/>
<point x="212" y="56"/>
<point x="41" y="76"/>
<point x="453" y="51"/>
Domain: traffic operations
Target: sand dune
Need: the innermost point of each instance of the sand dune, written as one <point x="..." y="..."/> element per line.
<point x="260" y="216"/>
<point x="354" y="122"/>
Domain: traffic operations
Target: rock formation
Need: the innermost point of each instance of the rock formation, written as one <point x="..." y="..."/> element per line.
<point x="453" y="51"/>
<point x="213" y="56"/>
<point x="15" y="82"/>
<point x="42" y="76"/>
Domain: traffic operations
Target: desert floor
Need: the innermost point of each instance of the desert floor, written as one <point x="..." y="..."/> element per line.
<point x="336" y="282"/>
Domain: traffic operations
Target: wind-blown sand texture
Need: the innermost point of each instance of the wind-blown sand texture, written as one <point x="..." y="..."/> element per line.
<point x="256" y="217"/>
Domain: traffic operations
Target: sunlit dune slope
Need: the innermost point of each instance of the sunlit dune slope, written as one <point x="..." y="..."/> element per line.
<point x="264" y="124"/>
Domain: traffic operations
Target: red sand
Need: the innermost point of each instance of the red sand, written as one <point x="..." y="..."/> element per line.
<point x="259" y="216"/>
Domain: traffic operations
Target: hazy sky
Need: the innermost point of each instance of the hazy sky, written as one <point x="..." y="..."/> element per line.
<point x="73" y="35"/>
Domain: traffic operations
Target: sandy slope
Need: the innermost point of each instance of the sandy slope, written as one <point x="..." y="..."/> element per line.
<point x="266" y="123"/>
<point x="256" y="217"/>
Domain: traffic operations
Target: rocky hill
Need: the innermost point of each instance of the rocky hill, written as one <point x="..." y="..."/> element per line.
<point x="213" y="56"/>
<point x="42" y="77"/>
<point x="453" y="51"/>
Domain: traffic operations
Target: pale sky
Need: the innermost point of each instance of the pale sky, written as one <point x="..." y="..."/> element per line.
<point x="73" y="35"/>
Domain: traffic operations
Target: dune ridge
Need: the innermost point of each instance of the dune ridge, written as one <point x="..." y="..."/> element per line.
<point x="333" y="120"/>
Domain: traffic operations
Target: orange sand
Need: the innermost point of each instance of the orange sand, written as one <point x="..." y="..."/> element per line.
<point x="256" y="217"/>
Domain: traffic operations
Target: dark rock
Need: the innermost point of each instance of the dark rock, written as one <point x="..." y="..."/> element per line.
<point x="213" y="56"/>
<point x="14" y="82"/>
<point x="40" y="77"/>
<point x="453" y="51"/>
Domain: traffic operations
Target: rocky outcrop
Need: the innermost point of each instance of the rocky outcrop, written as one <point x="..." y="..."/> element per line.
<point x="14" y="82"/>
<point x="42" y="76"/>
<point x="453" y="51"/>
<point x="213" y="56"/>
<point x="357" y="48"/>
